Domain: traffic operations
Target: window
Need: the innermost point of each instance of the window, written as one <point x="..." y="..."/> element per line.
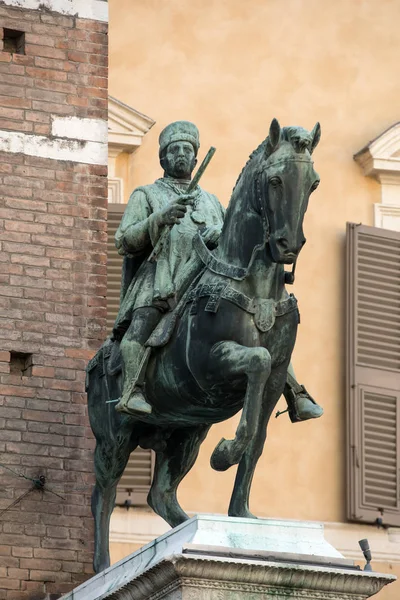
<point x="114" y="264"/>
<point x="135" y="482"/>
<point x="373" y="374"/>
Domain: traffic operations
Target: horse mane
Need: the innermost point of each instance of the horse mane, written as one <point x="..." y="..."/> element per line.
<point x="299" y="138"/>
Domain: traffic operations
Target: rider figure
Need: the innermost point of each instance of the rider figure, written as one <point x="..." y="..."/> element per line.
<point x="150" y="210"/>
<point x="153" y="287"/>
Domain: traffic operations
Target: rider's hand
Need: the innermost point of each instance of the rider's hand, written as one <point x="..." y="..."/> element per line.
<point x="186" y="199"/>
<point x="171" y="214"/>
<point x="211" y="236"/>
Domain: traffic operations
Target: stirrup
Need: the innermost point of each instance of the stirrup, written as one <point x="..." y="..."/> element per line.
<point x="295" y="415"/>
<point x="136" y="405"/>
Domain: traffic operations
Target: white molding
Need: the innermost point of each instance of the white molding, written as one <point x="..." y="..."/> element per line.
<point x="126" y="126"/>
<point x="115" y="190"/>
<point x="113" y="153"/>
<point x="96" y="10"/>
<point x="387" y="216"/>
<point x="76" y="128"/>
<point x="381" y="155"/>
<point x="93" y="153"/>
<point x="380" y="159"/>
<point x="126" y="130"/>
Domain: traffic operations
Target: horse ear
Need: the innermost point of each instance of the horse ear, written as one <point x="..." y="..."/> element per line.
<point x="274" y="134"/>
<point x="315" y="136"/>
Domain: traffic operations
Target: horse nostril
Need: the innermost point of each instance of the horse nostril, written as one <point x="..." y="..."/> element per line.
<point x="283" y="242"/>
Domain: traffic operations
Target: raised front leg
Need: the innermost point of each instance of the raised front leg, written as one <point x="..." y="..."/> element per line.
<point x="232" y="359"/>
<point x="172" y="464"/>
<point x="239" y="505"/>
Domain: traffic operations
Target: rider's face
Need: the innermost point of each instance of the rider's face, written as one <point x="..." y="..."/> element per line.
<point x="179" y="160"/>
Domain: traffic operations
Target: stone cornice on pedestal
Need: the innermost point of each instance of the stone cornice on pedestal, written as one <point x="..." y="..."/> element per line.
<point x="126" y="126"/>
<point x="212" y="557"/>
<point x="200" y="578"/>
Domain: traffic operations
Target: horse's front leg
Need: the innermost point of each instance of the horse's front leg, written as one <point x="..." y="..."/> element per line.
<point x="232" y="359"/>
<point x="239" y="505"/>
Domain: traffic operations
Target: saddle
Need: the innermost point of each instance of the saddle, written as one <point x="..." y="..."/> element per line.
<point x="164" y="330"/>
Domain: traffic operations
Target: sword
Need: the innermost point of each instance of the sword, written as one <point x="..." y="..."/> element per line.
<point x="192" y="185"/>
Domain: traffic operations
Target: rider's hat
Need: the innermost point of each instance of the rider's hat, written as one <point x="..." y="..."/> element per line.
<point x="180" y="131"/>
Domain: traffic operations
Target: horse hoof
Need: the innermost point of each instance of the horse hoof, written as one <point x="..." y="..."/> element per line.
<point x="222" y="458"/>
<point x="100" y="565"/>
<point x="241" y="514"/>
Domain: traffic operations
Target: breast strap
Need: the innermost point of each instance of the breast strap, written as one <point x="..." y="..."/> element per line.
<point x="265" y="310"/>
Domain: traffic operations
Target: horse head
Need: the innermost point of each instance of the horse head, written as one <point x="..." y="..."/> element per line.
<point x="285" y="180"/>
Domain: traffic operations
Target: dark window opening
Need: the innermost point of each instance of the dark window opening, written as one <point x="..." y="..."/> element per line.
<point x="13" y="41"/>
<point x="21" y="364"/>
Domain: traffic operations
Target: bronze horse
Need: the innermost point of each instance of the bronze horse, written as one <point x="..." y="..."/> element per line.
<point x="230" y="349"/>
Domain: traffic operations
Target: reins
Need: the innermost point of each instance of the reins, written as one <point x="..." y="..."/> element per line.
<point x="220" y="267"/>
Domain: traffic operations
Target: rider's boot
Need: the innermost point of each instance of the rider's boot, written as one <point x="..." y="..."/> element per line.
<point x="301" y="406"/>
<point x="132" y="399"/>
<point x="135" y="357"/>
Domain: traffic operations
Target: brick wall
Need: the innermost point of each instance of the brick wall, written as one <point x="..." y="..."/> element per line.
<point x="52" y="293"/>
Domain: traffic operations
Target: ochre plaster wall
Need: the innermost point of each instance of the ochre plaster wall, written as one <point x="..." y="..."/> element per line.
<point x="230" y="66"/>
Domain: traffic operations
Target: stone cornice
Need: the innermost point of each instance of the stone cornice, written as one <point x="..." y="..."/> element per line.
<point x="381" y="156"/>
<point x="380" y="159"/>
<point x="303" y="582"/>
<point x="126" y="126"/>
<point x="214" y="557"/>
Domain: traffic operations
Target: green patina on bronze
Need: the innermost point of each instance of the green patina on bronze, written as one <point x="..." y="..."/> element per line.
<point x="206" y="327"/>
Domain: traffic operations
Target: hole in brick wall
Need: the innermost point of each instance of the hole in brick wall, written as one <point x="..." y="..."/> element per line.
<point x="13" y="41"/>
<point x="21" y="364"/>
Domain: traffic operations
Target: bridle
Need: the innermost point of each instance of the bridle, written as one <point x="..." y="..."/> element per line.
<point x="261" y="172"/>
<point x="220" y="267"/>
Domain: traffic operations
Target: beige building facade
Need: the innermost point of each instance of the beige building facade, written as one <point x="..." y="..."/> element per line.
<point x="230" y="67"/>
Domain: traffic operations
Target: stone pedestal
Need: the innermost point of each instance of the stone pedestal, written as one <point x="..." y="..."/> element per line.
<point x="220" y="558"/>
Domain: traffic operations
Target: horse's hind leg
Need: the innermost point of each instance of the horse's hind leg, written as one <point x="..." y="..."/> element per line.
<point x="110" y="460"/>
<point x="172" y="464"/>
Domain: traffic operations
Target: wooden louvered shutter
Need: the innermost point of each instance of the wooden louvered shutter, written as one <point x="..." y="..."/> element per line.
<point x="373" y="374"/>
<point x="114" y="264"/>
<point x="135" y="482"/>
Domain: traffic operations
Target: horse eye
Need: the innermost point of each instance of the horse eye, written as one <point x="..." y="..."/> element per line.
<point x="274" y="181"/>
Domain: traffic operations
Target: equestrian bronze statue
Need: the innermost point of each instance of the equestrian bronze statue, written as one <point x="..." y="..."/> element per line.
<point x="206" y="327"/>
